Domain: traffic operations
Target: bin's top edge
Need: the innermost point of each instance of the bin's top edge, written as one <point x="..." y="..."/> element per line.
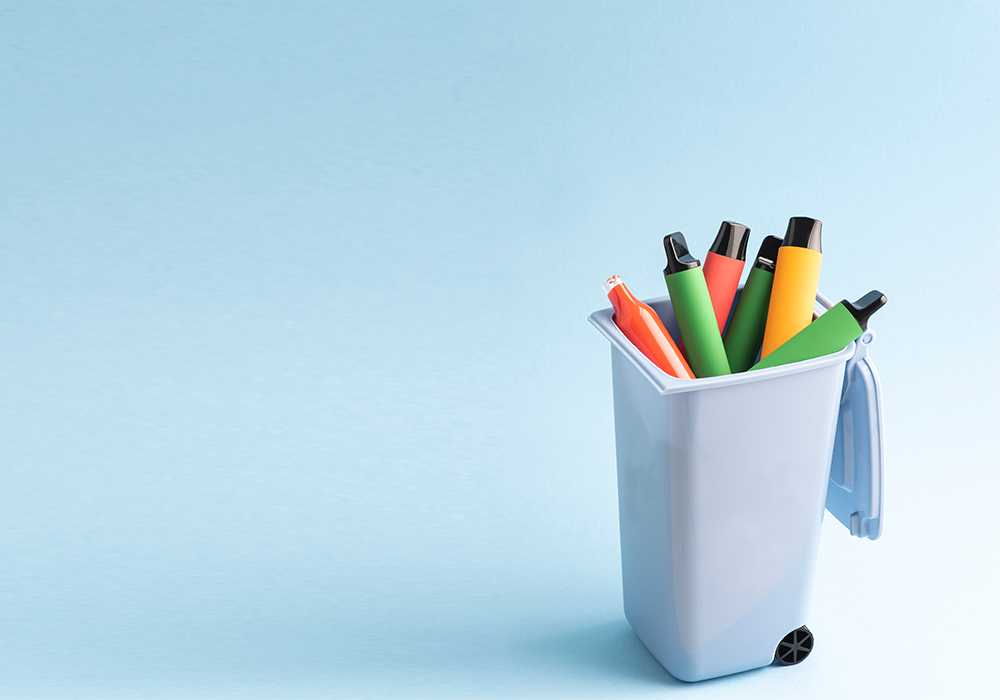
<point x="665" y="384"/>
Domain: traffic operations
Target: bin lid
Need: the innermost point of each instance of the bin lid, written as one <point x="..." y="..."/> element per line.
<point x="854" y="496"/>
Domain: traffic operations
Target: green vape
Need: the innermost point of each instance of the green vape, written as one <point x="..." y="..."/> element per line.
<point x="693" y="308"/>
<point x="746" y="329"/>
<point x="830" y="332"/>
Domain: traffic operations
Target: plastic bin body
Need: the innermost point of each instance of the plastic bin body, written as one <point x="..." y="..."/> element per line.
<point x="722" y="486"/>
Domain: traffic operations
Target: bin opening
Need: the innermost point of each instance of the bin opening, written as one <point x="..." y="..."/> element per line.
<point x="855" y="494"/>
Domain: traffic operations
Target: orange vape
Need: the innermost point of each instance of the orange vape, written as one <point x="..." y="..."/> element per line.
<point x="643" y="327"/>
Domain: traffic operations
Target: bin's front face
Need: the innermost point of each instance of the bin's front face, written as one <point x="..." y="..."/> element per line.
<point x="721" y="497"/>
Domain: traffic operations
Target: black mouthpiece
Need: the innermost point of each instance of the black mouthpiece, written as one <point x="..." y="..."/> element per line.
<point x="768" y="253"/>
<point x="731" y="240"/>
<point x="678" y="257"/>
<point x="864" y="307"/>
<point x="803" y="232"/>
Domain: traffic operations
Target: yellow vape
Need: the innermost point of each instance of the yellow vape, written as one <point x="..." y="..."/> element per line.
<point x="796" y="279"/>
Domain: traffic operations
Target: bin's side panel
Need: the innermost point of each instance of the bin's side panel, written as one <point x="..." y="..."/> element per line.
<point x="642" y="419"/>
<point x="721" y="495"/>
<point x="749" y="465"/>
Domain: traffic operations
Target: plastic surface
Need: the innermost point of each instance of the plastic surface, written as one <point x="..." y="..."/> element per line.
<point x="719" y="537"/>
<point x="746" y="330"/>
<point x="796" y="278"/>
<point x="643" y="328"/>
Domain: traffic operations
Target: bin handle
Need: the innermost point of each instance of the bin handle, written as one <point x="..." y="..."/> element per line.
<point x="824" y="302"/>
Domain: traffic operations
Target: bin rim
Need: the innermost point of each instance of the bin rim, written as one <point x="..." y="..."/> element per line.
<point x="665" y="384"/>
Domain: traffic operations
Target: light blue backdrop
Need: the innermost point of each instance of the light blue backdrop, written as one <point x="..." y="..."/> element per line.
<point x="297" y="394"/>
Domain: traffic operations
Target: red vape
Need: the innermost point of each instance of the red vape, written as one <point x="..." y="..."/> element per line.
<point x="723" y="267"/>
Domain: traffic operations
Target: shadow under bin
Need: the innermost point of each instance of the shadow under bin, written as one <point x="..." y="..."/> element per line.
<point x="722" y="487"/>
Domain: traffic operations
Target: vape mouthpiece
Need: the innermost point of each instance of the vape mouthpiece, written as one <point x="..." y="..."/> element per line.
<point x="731" y="240"/>
<point x="678" y="256"/>
<point x="803" y="232"/>
<point x="768" y="253"/>
<point x="612" y="282"/>
<point x="864" y="307"/>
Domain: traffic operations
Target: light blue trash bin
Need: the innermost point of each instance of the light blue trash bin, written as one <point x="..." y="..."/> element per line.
<point x="722" y="484"/>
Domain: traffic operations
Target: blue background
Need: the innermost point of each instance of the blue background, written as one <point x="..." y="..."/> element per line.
<point x="298" y="397"/>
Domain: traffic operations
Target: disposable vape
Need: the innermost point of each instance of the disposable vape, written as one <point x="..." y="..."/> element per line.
<point x="693" y="308"/>
<point x="643" y="327"/>
<point x="829" y="333"/>
<point x="746" y="330"/>
<point x="796" y="278"/>
<point x="723" y="267"/>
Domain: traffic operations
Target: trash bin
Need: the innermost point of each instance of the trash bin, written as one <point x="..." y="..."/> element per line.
<point x="722" y="484"/>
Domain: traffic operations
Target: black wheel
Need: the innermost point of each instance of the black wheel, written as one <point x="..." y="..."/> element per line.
<point x="795" y="647"/>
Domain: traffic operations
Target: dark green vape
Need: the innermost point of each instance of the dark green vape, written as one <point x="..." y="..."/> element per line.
<point x="746" y="329"/>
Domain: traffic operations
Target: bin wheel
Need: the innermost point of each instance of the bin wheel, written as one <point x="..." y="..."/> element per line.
<point x="795" y="647"/>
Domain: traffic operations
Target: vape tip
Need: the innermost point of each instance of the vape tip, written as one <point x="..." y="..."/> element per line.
<point x="731" y="240"/>
<point x="767" y="256"/>
<point x="863" y="308"/>
<point x="804" y="232"/>
<point x="679" y="257"/>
